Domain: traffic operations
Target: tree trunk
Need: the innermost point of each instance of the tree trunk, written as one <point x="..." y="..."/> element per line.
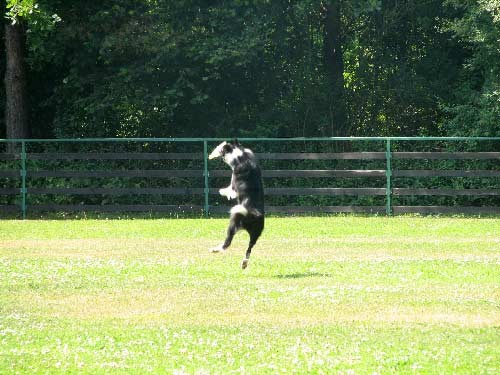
<point x="334" y="63"/>
<point x="16" y="111"/>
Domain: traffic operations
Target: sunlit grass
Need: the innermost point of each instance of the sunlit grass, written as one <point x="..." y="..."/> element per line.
<point x="321" y="295"/>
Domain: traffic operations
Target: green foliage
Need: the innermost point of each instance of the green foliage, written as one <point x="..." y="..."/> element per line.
<point x="257" y="67"/>
<point x="39" y="21"/>
<point x="20" y="9"/>
<point x="476" y="106"/>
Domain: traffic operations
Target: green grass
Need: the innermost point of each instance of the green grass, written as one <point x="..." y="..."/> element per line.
<point x="333" y="295"/>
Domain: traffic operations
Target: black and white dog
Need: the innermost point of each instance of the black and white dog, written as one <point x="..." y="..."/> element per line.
<point x="247" y="188"/>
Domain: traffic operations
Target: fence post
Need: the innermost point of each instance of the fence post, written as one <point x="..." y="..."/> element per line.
<point x="388" y="173"/>
<point x="206" y="190"/>
<point x="23" y="178"/>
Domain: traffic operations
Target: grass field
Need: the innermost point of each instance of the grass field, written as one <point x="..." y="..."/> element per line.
<point x="332" y="295"/>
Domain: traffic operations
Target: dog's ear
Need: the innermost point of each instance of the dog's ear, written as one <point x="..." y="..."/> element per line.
<point x="228" y="148"/>
<point x="235" y="142"/>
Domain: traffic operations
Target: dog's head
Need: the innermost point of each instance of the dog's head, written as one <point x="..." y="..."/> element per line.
<point x="228" y="151"/>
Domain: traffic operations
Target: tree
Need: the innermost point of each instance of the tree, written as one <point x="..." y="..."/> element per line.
<point x="475" y="107"/>
<point x="260" y="68"/>
<point x="334" y="63"/>
<point x="128" y="68"/>
<point x="400" y="65"/>
<point x="22" y="18"/>
<point x="2" y="70"/>
<point x="16" y="107"/>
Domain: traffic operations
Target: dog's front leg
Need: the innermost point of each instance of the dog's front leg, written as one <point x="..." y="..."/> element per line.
<point x="228" y="192"/>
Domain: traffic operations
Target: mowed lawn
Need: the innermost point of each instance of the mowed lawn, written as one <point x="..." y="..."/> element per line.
<point x="324" y="295"/>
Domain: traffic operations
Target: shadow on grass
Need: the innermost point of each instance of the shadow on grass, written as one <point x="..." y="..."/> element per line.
<point x="302" y="275"/>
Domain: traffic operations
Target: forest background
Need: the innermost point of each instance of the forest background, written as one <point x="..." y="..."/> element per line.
<point x="281" y="68"/>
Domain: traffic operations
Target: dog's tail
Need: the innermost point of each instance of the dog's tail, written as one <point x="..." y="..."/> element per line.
<point x="240" y="209"/>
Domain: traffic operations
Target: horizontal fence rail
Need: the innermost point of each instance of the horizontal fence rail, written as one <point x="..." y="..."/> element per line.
<point x="29" y="173"/>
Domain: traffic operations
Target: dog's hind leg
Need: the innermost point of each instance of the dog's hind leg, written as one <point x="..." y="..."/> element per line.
<point x="244" y="262"/>
<point x="251" y="244"/>
<point x="254" y="229"/>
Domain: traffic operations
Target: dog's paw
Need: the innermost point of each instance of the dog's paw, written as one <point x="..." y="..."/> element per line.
<point x="226" y="192"/>
<point x="244" y="264"/>
<point x="217" y="249"/>
<point x="229" y="193"/>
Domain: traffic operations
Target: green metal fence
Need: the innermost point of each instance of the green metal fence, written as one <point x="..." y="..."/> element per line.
<point x="20" y="173"/>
